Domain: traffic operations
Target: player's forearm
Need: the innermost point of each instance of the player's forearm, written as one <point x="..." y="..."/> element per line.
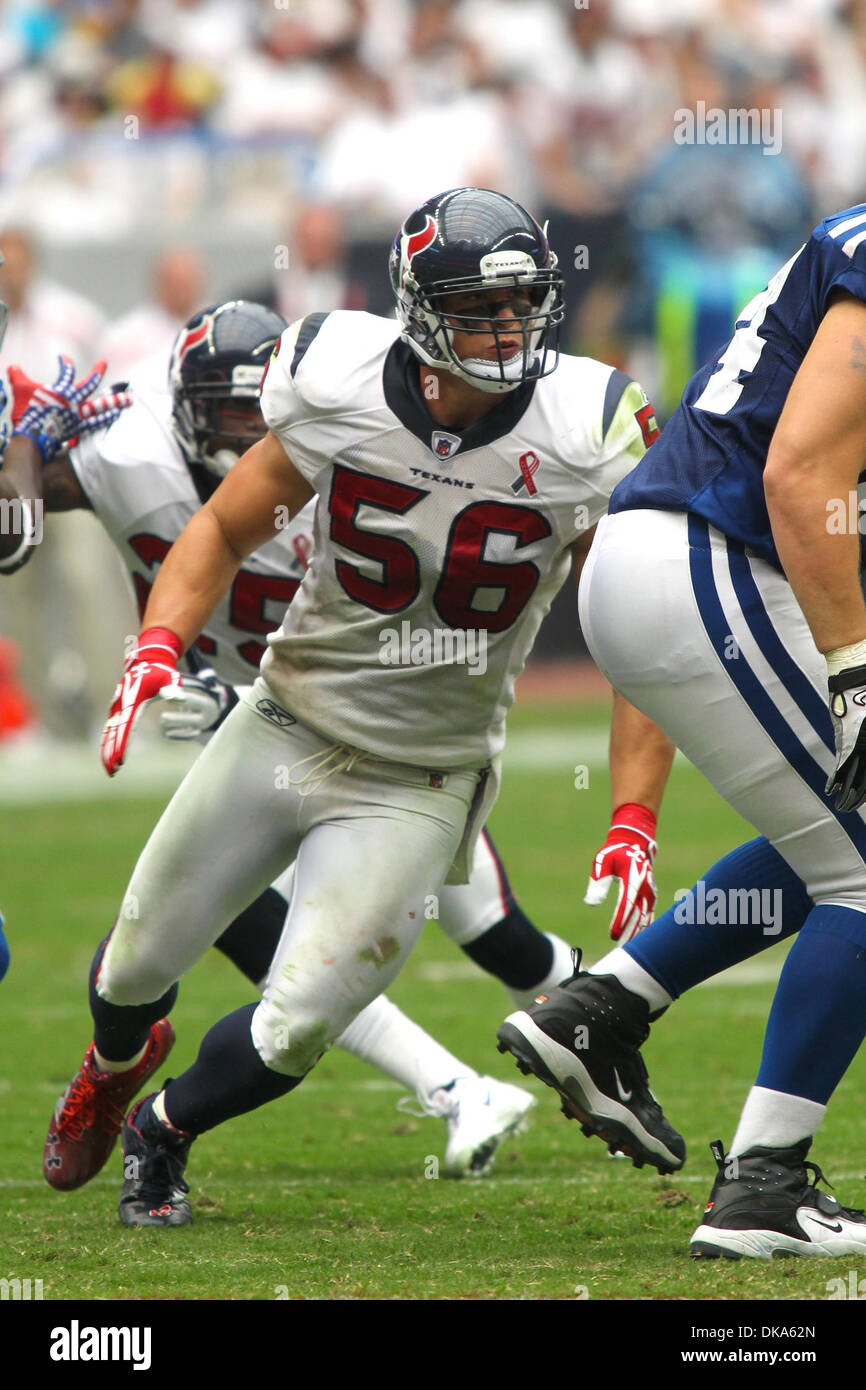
<point x="822" y="568"/>
<point x="20" y="481"/>
<point x="640" y="758"/>
<point x="194" y="576"/>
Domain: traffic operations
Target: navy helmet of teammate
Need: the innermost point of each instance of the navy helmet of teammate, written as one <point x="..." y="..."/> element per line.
<point x="215" y="372"/>
<point x="722" y="596"/>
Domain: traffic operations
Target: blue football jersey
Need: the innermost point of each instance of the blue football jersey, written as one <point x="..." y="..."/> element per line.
<point x="711" y="454"/>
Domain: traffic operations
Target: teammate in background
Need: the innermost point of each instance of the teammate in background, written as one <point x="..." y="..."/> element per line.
<point x="466" y="484"/>
<point x="145" y="478"/>
<point x="722" y="596"/>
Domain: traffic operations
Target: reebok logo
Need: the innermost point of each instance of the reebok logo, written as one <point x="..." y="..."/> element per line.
<point x="275" y="713"/>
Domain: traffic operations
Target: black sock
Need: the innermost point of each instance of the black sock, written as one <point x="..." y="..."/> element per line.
<point x="121" y="1030"/>
<point x="513" y="950"/>
<point x="251" y="939"/>
<point x="227" y="1078"/>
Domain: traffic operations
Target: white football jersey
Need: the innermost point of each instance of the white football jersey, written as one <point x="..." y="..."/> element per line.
<point x="139" y="485"/>
<point x="436" y="553"/>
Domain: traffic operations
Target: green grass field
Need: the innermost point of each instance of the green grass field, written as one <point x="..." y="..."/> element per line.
<point x="324" y="1194"/>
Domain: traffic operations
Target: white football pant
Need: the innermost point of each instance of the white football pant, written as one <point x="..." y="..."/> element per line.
<point x="708" y="641"/>
<point x="373" y="843"/>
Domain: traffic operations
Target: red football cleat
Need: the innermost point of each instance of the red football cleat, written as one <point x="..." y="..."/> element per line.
<point x="88" y="1117"/>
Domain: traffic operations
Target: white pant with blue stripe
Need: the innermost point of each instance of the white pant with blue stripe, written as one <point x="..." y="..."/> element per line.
<point x="708" y="640"/>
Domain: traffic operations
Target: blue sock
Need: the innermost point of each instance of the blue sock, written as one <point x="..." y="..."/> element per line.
<point x="702" y="934"/>
<point x="818" y="1018"/>
<point x="4" y="951"/>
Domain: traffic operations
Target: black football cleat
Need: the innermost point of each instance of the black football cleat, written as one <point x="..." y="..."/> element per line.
<point x="762" y="1205"/>
<point x="154" y="1158"/>
<point x="583" y="1039"/>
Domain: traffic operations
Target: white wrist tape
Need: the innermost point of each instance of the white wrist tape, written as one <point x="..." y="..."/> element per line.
<point x="843" y="657"/>
<point x="27" y="534"/>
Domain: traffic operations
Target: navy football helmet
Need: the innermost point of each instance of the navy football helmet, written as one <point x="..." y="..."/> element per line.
<point x="465" y="242"/>
<point x="215" y="373"/>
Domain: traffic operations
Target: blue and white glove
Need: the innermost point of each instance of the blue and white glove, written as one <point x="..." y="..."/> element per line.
<point x="197" y="706"/>
<point x="54" y="416"/>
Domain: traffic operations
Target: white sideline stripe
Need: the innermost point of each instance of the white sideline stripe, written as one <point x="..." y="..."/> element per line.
<point x="46" y="772"/>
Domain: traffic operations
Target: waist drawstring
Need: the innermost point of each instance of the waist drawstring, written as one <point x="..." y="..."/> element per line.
<point x="343" y="759"/>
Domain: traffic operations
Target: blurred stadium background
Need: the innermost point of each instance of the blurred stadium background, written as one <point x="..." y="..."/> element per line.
<point x="157" y="155"/>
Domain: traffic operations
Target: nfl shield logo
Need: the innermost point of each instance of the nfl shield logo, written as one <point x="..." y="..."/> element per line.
<point x="444" y="445"/>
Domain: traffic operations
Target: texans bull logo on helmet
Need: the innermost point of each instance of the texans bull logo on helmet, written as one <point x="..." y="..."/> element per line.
<point x="415" y="242"/>
<point x="194" y="333"/>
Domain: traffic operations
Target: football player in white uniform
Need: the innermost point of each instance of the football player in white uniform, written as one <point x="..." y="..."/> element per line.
<point x="144" y="478"/>
<point x="456" y="483"/>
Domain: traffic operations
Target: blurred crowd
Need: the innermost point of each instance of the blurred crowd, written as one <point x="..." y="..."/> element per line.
<point x="270" y="148"/>
<point x="154" y="119"/>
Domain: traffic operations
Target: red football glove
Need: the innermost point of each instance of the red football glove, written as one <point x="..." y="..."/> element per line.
<point x="627" y="855"/>
<point x="150" y="672"/>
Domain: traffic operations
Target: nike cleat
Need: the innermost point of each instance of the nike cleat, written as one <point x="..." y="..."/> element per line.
<point x="154" y="1158"/>
<point x="763" y="1206"/>
<point x="583" y="1039"/>
<point x="88" y="1117"/>
<point x="481" y="1114"/>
